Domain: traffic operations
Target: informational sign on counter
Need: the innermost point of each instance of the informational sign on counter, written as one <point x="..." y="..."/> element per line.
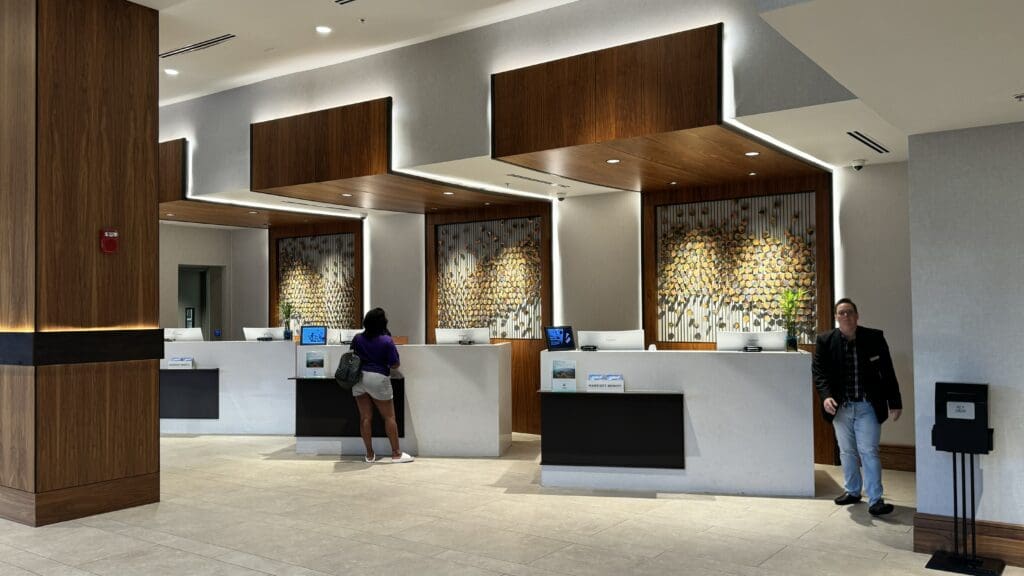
<point x="181" y="363"/>
<point x="563" y="376"/>
<point x="605" y="383"/>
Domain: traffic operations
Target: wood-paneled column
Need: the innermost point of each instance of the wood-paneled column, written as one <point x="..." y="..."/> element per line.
<point x="79" y="337"/>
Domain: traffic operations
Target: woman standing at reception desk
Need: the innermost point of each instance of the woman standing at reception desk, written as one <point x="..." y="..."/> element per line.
<point x="377" y="355"/>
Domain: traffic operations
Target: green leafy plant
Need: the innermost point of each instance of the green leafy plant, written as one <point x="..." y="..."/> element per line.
<point x="285" y="310"/>
<point x="789" y="304"/>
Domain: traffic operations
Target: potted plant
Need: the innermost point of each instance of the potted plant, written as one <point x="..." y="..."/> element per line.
<point x="285" y="311"/>
<point x="789" y="304"/>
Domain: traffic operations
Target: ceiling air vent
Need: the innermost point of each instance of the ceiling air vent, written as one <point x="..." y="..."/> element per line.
<point x="343" y="2"/>
<point x="317" y="206"/>
<point x="198" y="46"/>
<point x="537" y="180"/>
<point x="868" y="141"/>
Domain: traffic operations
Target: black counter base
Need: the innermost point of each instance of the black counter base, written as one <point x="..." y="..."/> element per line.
<point x="323" y="409"/>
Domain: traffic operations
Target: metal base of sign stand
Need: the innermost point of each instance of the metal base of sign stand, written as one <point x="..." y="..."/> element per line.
<point x="949" y="562"/>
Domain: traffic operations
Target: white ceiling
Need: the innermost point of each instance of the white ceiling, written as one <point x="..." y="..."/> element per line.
<point x="821" y="131"/>
<point x="922" y="65"/>
<point x="277" y="37"/>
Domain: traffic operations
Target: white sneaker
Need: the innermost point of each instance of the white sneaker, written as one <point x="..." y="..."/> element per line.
<point x="369" y="460"/>
<point x="402" y="459"/>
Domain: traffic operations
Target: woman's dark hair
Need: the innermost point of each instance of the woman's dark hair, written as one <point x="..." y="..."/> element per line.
<point x="375" y="323"/>
<point x="845" y="301"/>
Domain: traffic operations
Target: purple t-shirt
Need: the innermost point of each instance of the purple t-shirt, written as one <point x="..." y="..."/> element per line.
<point x="375" y="354"/>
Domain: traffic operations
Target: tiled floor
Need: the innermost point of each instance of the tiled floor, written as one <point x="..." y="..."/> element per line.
<point x="249" y="505"/>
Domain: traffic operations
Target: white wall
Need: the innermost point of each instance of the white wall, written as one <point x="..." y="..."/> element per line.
<point x="441" y="88"/>
<point x="183" y="245"/>
<point x="249" y="285"/>
<point x="873" y="244"/>
<point x="397" y="279"/>
<point x="967" y="269"/>
<point x="598" y="242"/>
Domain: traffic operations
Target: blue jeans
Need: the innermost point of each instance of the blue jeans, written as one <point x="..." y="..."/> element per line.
<point x="858" y="433"/>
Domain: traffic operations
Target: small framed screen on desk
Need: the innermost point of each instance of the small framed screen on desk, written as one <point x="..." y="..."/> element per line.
<point x="313" y="336"/>
<point x="559" y="338"/>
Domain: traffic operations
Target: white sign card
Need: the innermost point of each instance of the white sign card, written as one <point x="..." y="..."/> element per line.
<point x="181" y="363"/>
<point x="314" y="364"/>
<point x="605" y="383"/>
<point x="960" y="410"/>
<point x="563" y="375"/>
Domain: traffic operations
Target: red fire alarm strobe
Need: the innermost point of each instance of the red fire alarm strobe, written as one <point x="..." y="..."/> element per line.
<point x="108" y="241"/>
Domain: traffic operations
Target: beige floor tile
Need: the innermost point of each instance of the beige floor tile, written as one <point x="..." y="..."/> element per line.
<point x="266" y="565"/>
<point x="805" y="561"/>
<point x="73" y="544"/>
<point x="732" y="549"/>
<point x="161" y="561"/>
<point x="482" y="540"/>
<point x="274" y="541"/>
<point x="494" y="564"/>
<point x="34" y="564"/>
<point x="644" y="536"/>
<point x="588" y="561"/>
<point x="8" y="570"/>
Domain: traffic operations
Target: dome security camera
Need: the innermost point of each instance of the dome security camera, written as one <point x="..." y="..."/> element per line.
<point x="560" y="196"/>
<point x="858" y="164"/>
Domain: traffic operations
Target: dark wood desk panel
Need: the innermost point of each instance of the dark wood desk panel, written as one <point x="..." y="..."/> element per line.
<point x="323" y="409"/>
<point x="190" y="393"/>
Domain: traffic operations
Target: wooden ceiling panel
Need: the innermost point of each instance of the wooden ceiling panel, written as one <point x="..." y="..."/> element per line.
<point x="200" y="212"/>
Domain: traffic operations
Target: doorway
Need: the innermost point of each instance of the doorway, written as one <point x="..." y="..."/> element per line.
<point x="201" y="300"/>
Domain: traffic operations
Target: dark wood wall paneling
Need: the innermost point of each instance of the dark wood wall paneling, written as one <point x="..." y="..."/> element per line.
<point x="78" y="119"/>
<point x="17" y="165"/>
<point x="173" y="170"/>
<point x="525" y="353"/>
<point x="100" y="73"/>
<point x="658" y="85"/>
<point x="349" y="226"/>
<point x="995" y="539"/>
<point x="821" y="185"/>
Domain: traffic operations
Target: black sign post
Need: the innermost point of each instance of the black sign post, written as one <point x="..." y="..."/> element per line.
<point x="961" y="427"/>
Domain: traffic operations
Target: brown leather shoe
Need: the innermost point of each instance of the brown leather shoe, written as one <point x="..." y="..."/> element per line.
<point x="846" y="498"/>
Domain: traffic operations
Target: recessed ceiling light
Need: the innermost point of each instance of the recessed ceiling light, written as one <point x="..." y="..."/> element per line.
<point x="673" y="183"/>
<point x="1019" y="97"/>
<point x="253" y="212"/>
<point x="168" y="214"/>
<point x="171" y="71"/>
<point x="448" y="193"/>
<point x="346" y="195"/>
<point x="752" y="174"/>
<point x="487" y="203"/>
<point x="323" y="30"/>
<point x="554" y="184"/>
<point x="613" y="161"/>
<point x="752" y="154"/>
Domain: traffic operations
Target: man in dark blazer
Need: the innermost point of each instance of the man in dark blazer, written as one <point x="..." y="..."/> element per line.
<point x="857" y="384"/>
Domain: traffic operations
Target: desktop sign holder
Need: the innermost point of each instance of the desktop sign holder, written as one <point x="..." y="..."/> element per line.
<point x="961" y="427"/>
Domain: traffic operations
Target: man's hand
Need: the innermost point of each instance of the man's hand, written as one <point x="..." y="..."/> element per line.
<point x="830" y="406"/>
<point x="895" y="413"/>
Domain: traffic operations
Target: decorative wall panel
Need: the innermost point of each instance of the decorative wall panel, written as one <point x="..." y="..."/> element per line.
<point x="317" y="275"/>
<point x="490" y="274"/>
<point x="723" y="265"/>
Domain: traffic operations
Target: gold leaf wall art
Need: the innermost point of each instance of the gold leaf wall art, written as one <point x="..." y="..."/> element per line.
<point x="316" y="274"/>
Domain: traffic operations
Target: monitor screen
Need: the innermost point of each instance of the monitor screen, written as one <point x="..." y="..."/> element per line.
<point x="559" y="338"/>
<point x="341" y="335"/>
<point x="313" y="336"/>
<point x="253" y="334"/>
<point x="462" y="335"/>
<point x="613" y="339"/>
<point x="767" y="341"/>
<point x="183" y="334"/>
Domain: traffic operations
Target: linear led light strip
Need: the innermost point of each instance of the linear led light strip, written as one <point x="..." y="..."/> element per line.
<point x="778" y="143"/>
<point x="473" y="184"/>
<point x="319" y="211"/>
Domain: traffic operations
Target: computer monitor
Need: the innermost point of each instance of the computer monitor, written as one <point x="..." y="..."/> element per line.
<point x="767" y="341"/>
<point x="559" y="338"/>
<point x="613" y="340"/>
<point x="341" y="335"/>
<point x="462" y="335"/>
<point x="313" y="335"/>
<point x="183" y="334"/>
<point x="253" y="334"/>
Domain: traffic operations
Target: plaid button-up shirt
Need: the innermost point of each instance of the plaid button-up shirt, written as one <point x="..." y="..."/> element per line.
<point x="854" y="392"/>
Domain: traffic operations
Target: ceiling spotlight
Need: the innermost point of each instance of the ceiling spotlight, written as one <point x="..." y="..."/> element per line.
<point x="752" y="174"/>
<point x="752" y="154"/>
<point x="253" y="212"/>
<point x="613" y="161"/>
<point x="323" y="30"/>
<point x="1019" y="97"/>
<point x="168" y="214"/>
<point x="346" y="195"/>
<point x="448" y="193"/>
<point x="554" y="184"/>
<point x="170" y="71"/>
<point x="487" y="203"/>
<point x="673" y="183"/>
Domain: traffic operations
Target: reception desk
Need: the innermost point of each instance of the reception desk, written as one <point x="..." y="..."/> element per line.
<point x="254" y="393"/>
<point x="458" y="401"/>
<point x="746" y="421"/>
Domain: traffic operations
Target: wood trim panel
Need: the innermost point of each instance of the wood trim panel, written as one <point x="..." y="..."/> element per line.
<point x="356" y="141"/>
<point x="102" y="423"/>
<point x="821" y="185"/>
<point x="78" y="501"/>
<point x="895" y="457"/>
<point x="525" y="352"/>
<point x="17" y="427"/>
<point x="97" y="151"/>
<point x="283" y="152"/>
<point x="173" y="170"/>
<point x="203" y="212"/>
<point x="995" y="539"/>
<point x="337" y="227"/>
<point x="663" y="84"/>
<point x="47" y="348"/>
<point x="17" y="164"/>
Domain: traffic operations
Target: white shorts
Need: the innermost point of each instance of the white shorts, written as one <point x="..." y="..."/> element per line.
<point x="378" y="386"/>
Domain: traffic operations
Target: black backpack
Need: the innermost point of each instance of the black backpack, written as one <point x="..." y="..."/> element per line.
<point x="349" y="371"/>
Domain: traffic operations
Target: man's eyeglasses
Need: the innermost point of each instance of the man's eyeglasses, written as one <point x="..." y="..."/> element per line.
<point x="845" y="313"/>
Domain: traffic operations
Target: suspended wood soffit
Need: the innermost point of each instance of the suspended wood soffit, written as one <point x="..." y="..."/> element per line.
<point x="641" y="116"/>
<point x="202" y="212"/>
<point x="343" y="156"/>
